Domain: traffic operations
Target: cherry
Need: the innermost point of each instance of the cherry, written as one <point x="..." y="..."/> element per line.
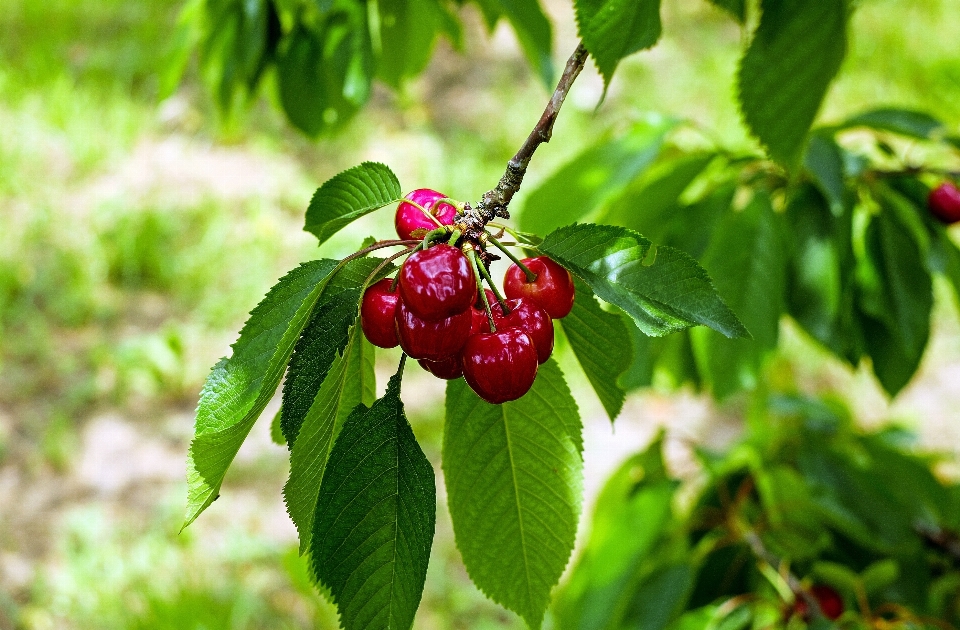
<point x="479" y="322"/>
<point x="437" y="282"/>
<point x="447" y="368"/>
<point x="500" y="366"/>
<point x="431" y="339"/>
<point x="532" y="319"/>
<point x="410" y="218"/>
<point x="552" y="290"/>
<point x="831" y="604"/>
<point x="944" y="202"/>
<point x="377" y="314"/>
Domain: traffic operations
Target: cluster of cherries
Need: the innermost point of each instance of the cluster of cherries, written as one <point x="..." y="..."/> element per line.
<point x="436" y="311"/>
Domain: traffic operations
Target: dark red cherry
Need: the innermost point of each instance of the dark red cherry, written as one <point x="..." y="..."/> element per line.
<point x="479" y="322"/>
<point x="552" y="290"/>
<point x="377" y="314"/>
<point x="500" y="366"/>
<point x="436" y="283"/>
<point x="532" y="319"/>
<point x="491" y="298"/>
<point x="431" y="338"/>
<point x="944" y="202"/>
<point x="831" y="604"/>
<point x="410" y="221"/>
<point x="447" y="368"/>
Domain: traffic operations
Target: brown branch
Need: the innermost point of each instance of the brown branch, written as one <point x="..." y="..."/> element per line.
<point x="494" y="202"/>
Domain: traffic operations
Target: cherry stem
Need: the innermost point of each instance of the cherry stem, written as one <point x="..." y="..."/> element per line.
<point x="531" y="277"/>
<point x="472" y="255"/>
<point x="453" y="237"/>
<point x="486" y="276"/>
<point x="386" y="261"/>
<point x="458" y="205"/>
<point x="426" y="212"/>
<point x="432" y="234"/>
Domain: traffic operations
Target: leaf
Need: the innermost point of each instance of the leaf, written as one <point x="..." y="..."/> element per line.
<point x="408" y="31"/>
<point x="795" y="54"/>
<point x="375" y="517"/>
<point x="532" y="28"/>
<point x="692" y="226"/>
<point x="350" y="382"/>
<point x="322" y="341"/>
<point x="747" y="264"/>
<point x="514" y="475"/>
<point x="668" y="293"/>
<point x="595" y="176"/>
<point x="238" y="388"/>
<point x="896" y="306"/>
<point x="601" y="343"/>
<point x="824" y="162"/>
<point x="350" y="195"/>
<point x="614" y="29"/>
<point x="901" y="121"/>
<point x="736" y="8"/>
<point x="276" y="433"/>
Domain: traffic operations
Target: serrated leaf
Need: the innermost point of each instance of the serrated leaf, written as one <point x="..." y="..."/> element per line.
<point x="350" y="195"/>
<point x="322" y="341"/>
<point x="795" y="54"/>
<point x="238" y="388"/>
<point x="736" y="8"/>
<point x="595" y="176"/>
<point x="614" y="29"/>
<point x="276" y="433"/>
<point x="905" y="122"/>
<point x="514" y="477"/>
<point x="668" y="293"/>
<point x="601" y="343"/>
<point x="747" y="263"/>
<point x="349" y="382"/>
<point x="375" y="518"/>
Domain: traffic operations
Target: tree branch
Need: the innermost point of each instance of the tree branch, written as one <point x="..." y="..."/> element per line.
<point x="494" y="202"/>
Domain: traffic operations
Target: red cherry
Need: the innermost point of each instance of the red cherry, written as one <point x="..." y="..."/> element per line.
<point x="377" y="314"/>
<point x="944" y="202"/>
<point x="831" y="604"/>
<point x="491" y="298"/>
<point x="532" y="319"/>
<point x="552" y="290"/>
<point x="436" y="283"/>
<point x="431" y="339"/>
<point x="500" y="366"/>
<point x="479" y="322"/>
<point x="447" y="368"/>
<point x="410" y="218"/>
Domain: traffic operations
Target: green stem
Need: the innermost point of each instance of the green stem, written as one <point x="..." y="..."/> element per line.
<point x="493" y="287"/>
<point x="454" y="236"/>
<point x="526" y="270"/>
<point x="472" y="255"/>
<point x="432" y="234"/>
<point x="426" y="212"/>
<point x="386" y="261"/>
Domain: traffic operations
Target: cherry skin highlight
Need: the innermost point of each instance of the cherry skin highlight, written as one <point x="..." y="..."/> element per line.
<point x="447" y="368"/>
<point x="437" y="283"/>
<point x="431" y="339"/>
<point x="530" y="318"/>
<point x="409" y="218"/>
<point x="944" y="202"/>
<point x="377" y="314"/>
<point x="552" y="290"/>
<point x="500" y="366"/>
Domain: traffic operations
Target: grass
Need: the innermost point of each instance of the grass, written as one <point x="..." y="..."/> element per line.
<point x="120" y="293"/>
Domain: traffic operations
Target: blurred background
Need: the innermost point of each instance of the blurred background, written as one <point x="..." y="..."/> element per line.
<point x="136" y="234"/>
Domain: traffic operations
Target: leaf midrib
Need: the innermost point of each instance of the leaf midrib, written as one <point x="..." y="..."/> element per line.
<point x="516" y="495"/>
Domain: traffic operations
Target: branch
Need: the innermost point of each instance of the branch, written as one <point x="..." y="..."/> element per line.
<point x="494" y="202"/>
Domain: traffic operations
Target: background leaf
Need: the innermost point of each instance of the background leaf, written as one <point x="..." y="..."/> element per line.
<point x="614" y="29"/>
<point x="238" y="388"/>
<point x="824" y="161"/>
<point x="375" y="517"/>
<point x="902" y="121"/>
<point x="736" y="8"/>
<point x="514" y="481"/>
<point x="601" y="343"/>
<point x="795" y="54"/>
<point x="669" y="293"/>
<point x="350" y="195"/>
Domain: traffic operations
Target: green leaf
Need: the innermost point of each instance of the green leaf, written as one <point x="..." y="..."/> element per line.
<point x="597" y="175"/>
<point x="692" y="226"/>
<point x="532" y="28"/>
<point x="896" y="304"/>
<point x="795" y="54"/>
<point x="514" y="477"/>
<point x="375" y="517"/>
<point x="736" y="8"/>
<point x="824" y="162"/>
<point x="350" y="195"/>
<point x="614" y="29"/>
<point x="238" y="388"/>
<point x="408" y="31"/>
<point x="276" y="433"/>
<point x="350" y="382"/>
<point x="322" y="341"/>
<point x="600" y="341"/>
<point x="664" y="291"/>
<point x="901" y="121"/>
<point x="747" y="263"/>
